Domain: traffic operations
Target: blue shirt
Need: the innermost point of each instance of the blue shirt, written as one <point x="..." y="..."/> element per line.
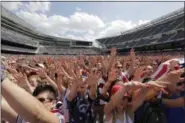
<point x="80" y="109"/>
<point x="175" y="115"/>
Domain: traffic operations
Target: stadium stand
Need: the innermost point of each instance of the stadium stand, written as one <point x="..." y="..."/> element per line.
<point x="165" y="31"/>
<point x="58" y="50"/>
<point x="20" y="37"/>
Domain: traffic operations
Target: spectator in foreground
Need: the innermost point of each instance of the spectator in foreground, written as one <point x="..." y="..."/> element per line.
<point x="28" y="108"/>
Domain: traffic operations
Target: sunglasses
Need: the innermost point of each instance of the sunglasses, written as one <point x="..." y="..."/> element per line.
<point x="119" y="67"/>
<point x="42" y="100"/>
<point x="180" y="83"/>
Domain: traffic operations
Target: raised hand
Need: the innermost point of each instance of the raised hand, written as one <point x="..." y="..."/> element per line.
<point x="81" y="61"/>
<point x="20" y="78"/>
<point x="105" y="64"/>
<point x="12" y="71"/>
<point x="112" y="75"/>
<point x="137" y="99"/>
<point x="93" y="77"/>
<point x="173" y="78"/>
<point x="22" y="81"/>
<point x="158" y="86"/>
<point x="76" y="77"/>
<point x="66" y="66"/>
<point x="138" y="73"/>
<point x="132" y="53"/>
<point x="113" y="52"/>
<point x="26" y="67"/>
<point x="41" y="73"/>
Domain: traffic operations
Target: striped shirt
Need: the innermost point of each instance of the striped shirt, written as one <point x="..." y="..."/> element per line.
<point x="162" y="70"/>
<point x="124" y="76"/>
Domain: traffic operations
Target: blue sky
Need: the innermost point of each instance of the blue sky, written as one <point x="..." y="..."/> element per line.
<point x="89" y="20"/>
<point x="117" y="10"/>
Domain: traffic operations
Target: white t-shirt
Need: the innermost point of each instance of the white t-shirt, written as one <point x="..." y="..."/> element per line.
<point x="65" y="106"/>
<point x="127" y="118"/>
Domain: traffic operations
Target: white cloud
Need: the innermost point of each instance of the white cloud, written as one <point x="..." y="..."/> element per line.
<point x="85" y="21"/>
<point x="78" y="9"/>
<point x="143" y="22"/>
<point x="89" y="26"/>
<point x="13" y="6"/>
<point x="38" y="6"/>
<point x="78" y="22"/>
<point x="115" y="27"/>
<point x="80" y="25"/>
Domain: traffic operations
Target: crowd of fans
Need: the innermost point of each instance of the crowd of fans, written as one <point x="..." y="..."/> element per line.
<point x="93" y="89"/>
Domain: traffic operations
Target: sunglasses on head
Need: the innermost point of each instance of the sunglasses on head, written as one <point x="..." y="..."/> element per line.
<point x="180" y="83"/>
<point x="45" y="99"/>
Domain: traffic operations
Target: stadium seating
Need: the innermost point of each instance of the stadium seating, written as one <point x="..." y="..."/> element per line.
<point x="163" y="31"/>
<point x="21" y="37"/>
<point x="17" y="37"/>
<point x="179" y="35"/>
<point x="57" y="50"/>
<point x="18" y="49"/>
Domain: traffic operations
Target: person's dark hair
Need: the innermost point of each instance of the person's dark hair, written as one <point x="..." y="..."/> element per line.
<point x="43" y="87"/>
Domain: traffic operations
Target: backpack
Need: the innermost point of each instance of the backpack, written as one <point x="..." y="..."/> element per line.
<point x="153" y="113"/>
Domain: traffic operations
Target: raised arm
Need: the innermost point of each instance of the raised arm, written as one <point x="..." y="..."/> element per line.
<point x="173" y="103"/>
<point x="77" y="80"/>
<point x="134" y="85"/>
<point x="138" y="99"/>
<point x="44" y="75"/>
<point x="112" y="76"/>
<point x="25" y="104"/>
<point x="115" y="100"/>
<point x="92" y="81"/>
<point x="112" y="58"/>
<point x="59" y="80"/>
<point x="169" y="80"/>
<point x="133" y="58"/>
<point x="7" y="113"/>
<point x="22" y="81"/>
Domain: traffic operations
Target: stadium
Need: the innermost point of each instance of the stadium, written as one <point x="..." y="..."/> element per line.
<point x="19" y="37"/>
<point x="97" y="76"/>
<point x="165" y="33"/>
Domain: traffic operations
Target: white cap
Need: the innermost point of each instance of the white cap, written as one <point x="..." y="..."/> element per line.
<point x="41" y="65"/>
